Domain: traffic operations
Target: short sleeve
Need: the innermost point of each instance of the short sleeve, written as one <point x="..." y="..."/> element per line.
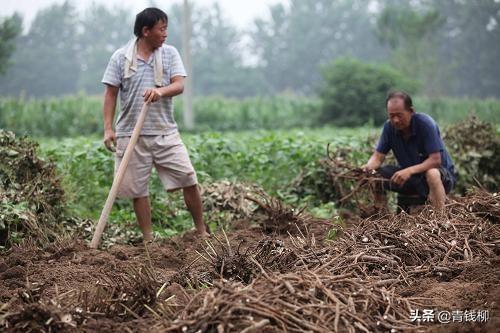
<point x="431" y="138"/>
<point x="384" y="144"/>
<point x="113" y="73"/>
<point x="176" y="65"/>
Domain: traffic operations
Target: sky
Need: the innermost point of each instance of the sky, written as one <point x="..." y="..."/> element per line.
<point x="240" y="12"/>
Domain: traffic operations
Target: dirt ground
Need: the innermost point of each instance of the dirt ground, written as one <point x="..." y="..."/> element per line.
<point x="67" y="287"/>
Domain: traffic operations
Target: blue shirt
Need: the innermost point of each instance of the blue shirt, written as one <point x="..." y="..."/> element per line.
<point x="424" y="140"/>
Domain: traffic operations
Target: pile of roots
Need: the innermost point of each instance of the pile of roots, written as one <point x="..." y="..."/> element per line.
<point x="474" y="146"/>
<point x="118" y="298"/>
<point x="343" y="182"/>
<point x="30" y="193"/>
<point x="400" y="249"/>
<point x="32" y="200"/>
<point x="347" y="286"/>
<point x="292" y="302"/>
<point x="293" y="283"/>
<point x="226" y="200"/>
<point x="279" y="218"/>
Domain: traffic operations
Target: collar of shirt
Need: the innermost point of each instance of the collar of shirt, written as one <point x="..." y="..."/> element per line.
<point x="131" y="59"/>
<point x="149" y="61"/>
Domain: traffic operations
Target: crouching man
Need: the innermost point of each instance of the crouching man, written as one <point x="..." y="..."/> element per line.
<point x="425" y="167"/>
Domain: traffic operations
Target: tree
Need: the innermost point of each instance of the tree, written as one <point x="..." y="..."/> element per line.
<point x="187" y="96"/>
<point x="216" y="53"/>
<point x="354" y="92"/>
<point x="294" y="42"/>
<point x="102" y="31"/>
<point x="10" y="28"/>
<point x="46" y="59"/>
<point x="451" y="45"/>
<point x="412" y="35"/>
<point x="470" y="41"/>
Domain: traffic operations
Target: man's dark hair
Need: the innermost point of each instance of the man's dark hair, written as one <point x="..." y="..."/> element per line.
<point x="400" y="94"/>
<point x="148" y="18"/>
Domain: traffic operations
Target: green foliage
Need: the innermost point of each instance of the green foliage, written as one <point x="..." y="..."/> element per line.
<point x="296" y="39"/>
<point x="412" y="35"/>
<point x="103" y="30"/>
<point x="216" y="52"/>
<point x="52" y="117"/>
<point x="10" y="28"/>
<point x="354" y="93"/>
<point x="86" y="168"/>
<point x="450" y="46"/>
<point x="268" y="158"/>
<point x="31" y="198"/>
<point x="283" y="111"/>
<point x="271" y="159"/>
<point x="45" y="58"/>
<point x="470" y="42"/>
<point x="52" y="62"/>
<point x="475" y="149"/>
<point x="64" y="53"/>
<point x="404" y="26"/>
<point x="286" y="49"/>
<point x="283" y="163"/>
<point x="447" y="111"/>
<point x="81" y="115"/>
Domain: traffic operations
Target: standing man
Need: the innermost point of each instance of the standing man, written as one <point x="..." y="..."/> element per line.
<point x="425" y="167"/>
<point x="147" y="71"/>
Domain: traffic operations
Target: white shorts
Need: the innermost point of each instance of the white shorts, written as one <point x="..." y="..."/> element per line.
<point x="169" y="156"/>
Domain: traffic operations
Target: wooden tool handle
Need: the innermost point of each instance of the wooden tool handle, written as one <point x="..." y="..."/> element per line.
<point x="118" y="178"/>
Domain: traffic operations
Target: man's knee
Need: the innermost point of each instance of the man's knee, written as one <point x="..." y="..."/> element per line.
<point x="433" y="176"/>
<point x="191" y="187"/>
<point x="140" y="199"/>
<point x="191" y="190"/>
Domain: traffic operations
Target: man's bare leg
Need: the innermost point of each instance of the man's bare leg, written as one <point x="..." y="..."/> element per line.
<point x="437" y="194"/>
<point x="142" y="210"/>
<point x="192" y="198"/>
<point x="380" y="200"/>
<point x="379" y="196"/>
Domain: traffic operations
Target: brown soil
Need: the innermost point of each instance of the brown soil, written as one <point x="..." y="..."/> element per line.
<point x="40" y="286"/>
<point x="475" y="288"/>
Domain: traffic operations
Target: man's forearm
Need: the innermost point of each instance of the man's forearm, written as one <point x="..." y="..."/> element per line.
<point x="430" y="163"/>
<point x="173" y="89"/>
<point x="109" y="112"/>
<point x="376" y="160"/>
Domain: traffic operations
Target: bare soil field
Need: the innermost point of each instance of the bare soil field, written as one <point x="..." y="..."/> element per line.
<point x="372" y="276"/>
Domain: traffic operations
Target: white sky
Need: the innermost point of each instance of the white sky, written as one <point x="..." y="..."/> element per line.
<point x="240" y="12"/>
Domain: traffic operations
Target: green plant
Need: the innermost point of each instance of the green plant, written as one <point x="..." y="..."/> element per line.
<point x="81" y="115"/>
<point x="31" y="197"/>
<point x="271" y="159"/>
<point x="354" y="93"/>
<point x="474" y="146"/>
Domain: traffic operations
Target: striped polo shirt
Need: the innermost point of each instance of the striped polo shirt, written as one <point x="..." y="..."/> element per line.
<point x="160" y="117"/>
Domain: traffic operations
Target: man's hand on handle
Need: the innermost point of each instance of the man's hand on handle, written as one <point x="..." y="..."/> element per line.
<point x="152" y="95"/>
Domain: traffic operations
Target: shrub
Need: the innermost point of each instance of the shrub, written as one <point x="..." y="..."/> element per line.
<point x="31" y="198"/>
<point x="354" y="93"/>
<point x="474" y="147"/>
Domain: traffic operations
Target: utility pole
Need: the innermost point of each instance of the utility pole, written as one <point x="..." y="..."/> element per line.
<point x="187" y="96"/>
